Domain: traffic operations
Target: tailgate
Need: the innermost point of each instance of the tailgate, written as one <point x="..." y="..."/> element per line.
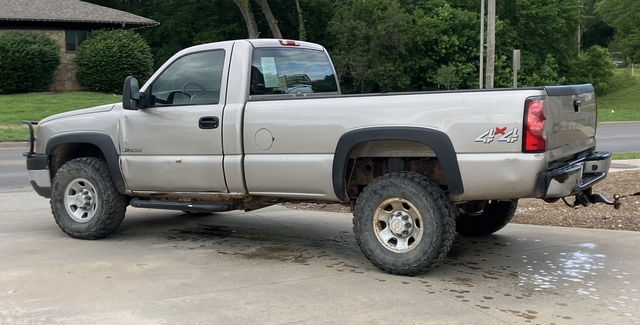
<point x="572" y="114"/>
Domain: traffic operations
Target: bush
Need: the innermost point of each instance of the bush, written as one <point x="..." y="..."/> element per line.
<point x="106" y="58"/>
<point x="594" y="66"/>
<point x="29" y="62"/>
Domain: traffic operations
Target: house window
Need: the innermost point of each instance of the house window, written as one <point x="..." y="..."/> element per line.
<point x="73" y="38"/>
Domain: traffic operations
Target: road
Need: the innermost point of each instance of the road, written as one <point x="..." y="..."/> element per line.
<point x="281" y="266"/>
<point x="614" y="137"/>
<point x="619" y="137"/>
<point x="13" y="171"/>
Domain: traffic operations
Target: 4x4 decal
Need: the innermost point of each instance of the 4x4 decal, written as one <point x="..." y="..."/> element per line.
<point x="508" y="136"/>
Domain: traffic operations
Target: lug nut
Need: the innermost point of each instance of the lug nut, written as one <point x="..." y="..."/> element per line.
<point x="405" y="232"/>
<point x="407" y="225"/>
<point x="405" y="218"/>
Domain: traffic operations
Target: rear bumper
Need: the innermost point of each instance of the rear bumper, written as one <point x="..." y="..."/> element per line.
<point x="574" y="176"/>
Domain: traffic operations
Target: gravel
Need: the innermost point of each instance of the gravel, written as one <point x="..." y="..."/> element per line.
<point x="537" y="212"/>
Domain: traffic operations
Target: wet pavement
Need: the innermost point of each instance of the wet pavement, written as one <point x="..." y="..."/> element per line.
<point x="280" y="266"/>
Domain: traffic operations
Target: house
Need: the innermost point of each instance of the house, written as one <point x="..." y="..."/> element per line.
<point x="68" y="22"/>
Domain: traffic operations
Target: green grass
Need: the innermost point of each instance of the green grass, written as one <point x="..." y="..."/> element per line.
<point x="626" y="155"/>
<point x="622" y="105"/>
<point x="16" y="108"/>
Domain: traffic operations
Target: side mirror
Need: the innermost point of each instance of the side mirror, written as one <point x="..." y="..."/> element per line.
<point x="131" y="94"/>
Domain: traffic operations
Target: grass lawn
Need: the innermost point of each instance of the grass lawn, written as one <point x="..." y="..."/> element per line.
<point x="16" y="108"/>
<point x="626" y="155"/>
<point x="622" y="105"/>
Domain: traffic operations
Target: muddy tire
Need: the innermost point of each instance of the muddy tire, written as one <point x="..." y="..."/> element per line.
<point x="403" y="223"/>
<point x="85" y="201"/>
<point x="492" y="217"/>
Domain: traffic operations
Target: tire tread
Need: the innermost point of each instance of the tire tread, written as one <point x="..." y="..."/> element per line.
<point x="114" y="203"/>
<point x="445" y="226"/>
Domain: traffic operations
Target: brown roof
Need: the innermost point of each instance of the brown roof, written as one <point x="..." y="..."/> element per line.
<point x="72" y="11"/>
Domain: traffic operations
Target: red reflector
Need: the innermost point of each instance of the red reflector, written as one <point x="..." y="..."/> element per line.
<point x="534" y="126"/>
<point x="289" y="42"/>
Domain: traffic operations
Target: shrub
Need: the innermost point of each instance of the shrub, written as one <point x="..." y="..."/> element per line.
<point x="106" y="58"/>
<point x="594" y="66"/>
<point x="28" y="62"/>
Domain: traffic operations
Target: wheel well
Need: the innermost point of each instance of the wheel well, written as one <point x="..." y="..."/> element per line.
<point x="371" y="159"/>
<point x="62" y="153"/>
<point x="417" y="145"/>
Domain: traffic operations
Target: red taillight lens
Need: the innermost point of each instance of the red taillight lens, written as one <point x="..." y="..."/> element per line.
<point x="534" y="126"/>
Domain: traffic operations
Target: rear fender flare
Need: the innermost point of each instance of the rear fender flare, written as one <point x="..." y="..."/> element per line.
<point x="436" y="140"/>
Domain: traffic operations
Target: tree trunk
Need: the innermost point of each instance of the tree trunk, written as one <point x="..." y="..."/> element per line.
<point x="273" y="23"/>
<point x="491" y="43"/>
<point x="303" y="32"/>
<point x="247" y="14"/>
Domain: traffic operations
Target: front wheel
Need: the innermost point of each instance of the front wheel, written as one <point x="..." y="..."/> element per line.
<point x="403" y="223"/>
<point x="85" y="201"/>
<point x="484" y="218"/>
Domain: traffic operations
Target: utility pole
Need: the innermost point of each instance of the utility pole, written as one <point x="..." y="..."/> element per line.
<point x="491" y="42"/>
<point x="516" y="67"/>
<point x="481" y="43"/>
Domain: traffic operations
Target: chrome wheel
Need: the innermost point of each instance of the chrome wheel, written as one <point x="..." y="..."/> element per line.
<point x="81" y="200"/>
<point x="398" y="225"/>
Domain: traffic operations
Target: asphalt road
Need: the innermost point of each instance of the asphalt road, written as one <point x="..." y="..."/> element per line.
<point x="13" y="170"/>
<point x="281" y="266"/>
<point x="618" y="137"/>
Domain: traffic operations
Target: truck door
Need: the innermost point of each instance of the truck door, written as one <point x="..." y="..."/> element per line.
<point x="176" y="144"/>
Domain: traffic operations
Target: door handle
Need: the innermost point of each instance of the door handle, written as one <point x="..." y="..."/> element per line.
<point x="208" y="122"/>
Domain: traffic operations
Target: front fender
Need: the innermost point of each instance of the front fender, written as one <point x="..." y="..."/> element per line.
<point x="100" y="140"/>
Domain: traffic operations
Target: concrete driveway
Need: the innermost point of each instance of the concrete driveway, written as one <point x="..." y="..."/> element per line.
<point x="280" y="266"/>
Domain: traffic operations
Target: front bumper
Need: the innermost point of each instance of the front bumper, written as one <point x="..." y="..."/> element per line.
<point x="573" y="177"/>
<point x="37" y="164"/>
<point x="38" y="167"/>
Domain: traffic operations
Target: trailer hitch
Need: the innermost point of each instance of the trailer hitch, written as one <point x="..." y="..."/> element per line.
<point x="587" y="198"/>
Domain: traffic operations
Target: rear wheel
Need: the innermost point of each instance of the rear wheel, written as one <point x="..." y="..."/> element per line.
<point x="85" y="201"/>
<point x="484" y="218"/>
<point x="403" y="223"/>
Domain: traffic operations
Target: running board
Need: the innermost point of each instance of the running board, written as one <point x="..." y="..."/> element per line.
<point x="182" y="206"/>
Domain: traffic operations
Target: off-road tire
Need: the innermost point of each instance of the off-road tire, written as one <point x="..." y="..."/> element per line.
<point x="495" y="216"/>
<point x="110" y="210"/>
<point x="438" y="223"/>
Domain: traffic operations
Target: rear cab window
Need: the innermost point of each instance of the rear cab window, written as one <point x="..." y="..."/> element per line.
<point x="294" y="71"/>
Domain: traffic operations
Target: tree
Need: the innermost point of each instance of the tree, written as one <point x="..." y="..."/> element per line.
<point x="370" y="39"/>
<point x="301" y="30"/>
<point x="271" y="20"/>
<point x="624" y="16"/>
<point x="247" y="14"/>
<point x="447" y="76"/>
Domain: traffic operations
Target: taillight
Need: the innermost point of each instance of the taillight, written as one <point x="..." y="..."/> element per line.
<point x="289" y="42"/>
<point x="534" y="139"/>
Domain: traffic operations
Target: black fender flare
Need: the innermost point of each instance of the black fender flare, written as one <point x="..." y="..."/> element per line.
<point x="438" y="141"/>
<point x="100" y="140"/>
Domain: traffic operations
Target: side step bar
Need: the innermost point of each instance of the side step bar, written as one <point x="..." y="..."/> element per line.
<point x="182" y="206"/>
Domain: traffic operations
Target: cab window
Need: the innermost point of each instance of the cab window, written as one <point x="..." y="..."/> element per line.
<point x="291" y="71"/>
<point x="192" y="79"/>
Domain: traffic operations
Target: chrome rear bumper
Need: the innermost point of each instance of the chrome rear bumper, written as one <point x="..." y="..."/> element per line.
<point x="574" y="177"/>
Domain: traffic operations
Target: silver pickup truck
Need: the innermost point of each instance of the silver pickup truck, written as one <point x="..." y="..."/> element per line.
<point x="250" y="123"/>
